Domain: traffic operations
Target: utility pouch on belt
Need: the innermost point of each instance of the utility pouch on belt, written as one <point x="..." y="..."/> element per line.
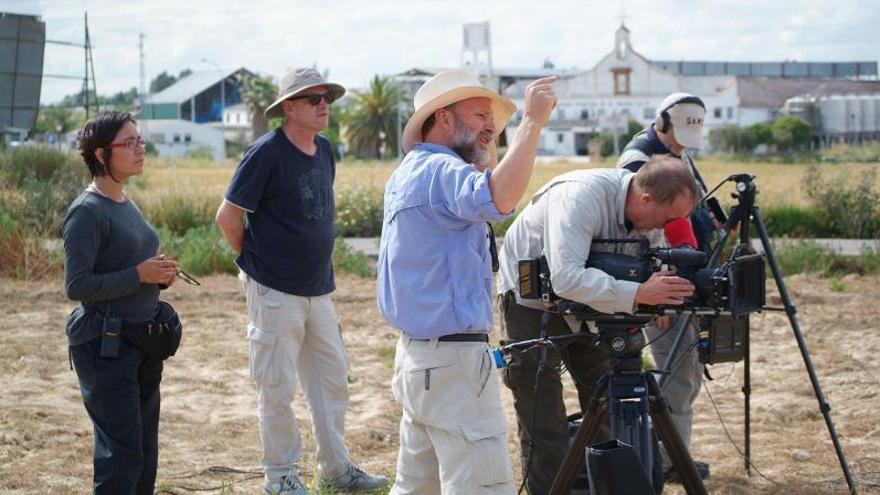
<point x="111" y="332"/>
<point x="158" y="338"/>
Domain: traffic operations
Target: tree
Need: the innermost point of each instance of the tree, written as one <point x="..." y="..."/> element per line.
<point x="164" y="79"/>
<point x="791" y="132"/>
<point x="372" y="116"/>
<point x="733" y="139"/>
<point x="51" y="118"/>
<point x="258" y="93"/>
<point x="760" y="133"/>
<point x="333" y="130"/>
<point x="605" y="140"/>
<point x="161" y="81"/>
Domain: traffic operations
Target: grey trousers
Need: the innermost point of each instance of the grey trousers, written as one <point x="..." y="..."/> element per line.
<point x="681" y="387"/>
<point x="584" y="361"/>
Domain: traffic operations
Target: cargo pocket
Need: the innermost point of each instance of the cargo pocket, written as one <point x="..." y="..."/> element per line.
<point x="489" y="457"/>
<point x="262" y="351"/>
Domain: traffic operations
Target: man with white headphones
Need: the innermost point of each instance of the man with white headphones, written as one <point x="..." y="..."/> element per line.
<point x="678" y="126"/>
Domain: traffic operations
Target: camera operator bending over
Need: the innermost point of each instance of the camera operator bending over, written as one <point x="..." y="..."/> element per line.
<point x="677" y="127"/>
<point x="560" y="223"/>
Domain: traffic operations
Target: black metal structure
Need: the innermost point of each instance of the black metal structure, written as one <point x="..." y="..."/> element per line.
<point x="744" y="214"/>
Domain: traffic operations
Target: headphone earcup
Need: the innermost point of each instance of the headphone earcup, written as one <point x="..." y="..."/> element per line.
<point x="664" y="125"/>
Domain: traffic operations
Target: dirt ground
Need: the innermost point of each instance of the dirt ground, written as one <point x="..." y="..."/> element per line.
<point x="209" y="436"/>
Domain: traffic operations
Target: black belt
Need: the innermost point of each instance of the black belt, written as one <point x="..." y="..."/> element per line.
<point x="460" y="337"/>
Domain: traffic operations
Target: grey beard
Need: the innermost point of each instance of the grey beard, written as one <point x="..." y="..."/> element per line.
<point x="464" y="144"/>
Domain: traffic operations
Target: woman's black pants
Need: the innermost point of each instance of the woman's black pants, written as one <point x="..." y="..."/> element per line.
<point x="121" y="396"/>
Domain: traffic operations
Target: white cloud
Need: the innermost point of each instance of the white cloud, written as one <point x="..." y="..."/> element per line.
<point x="356" y="39"/>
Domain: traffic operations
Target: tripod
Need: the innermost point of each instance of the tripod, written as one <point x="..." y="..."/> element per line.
<point x="632" y="397"/>
<point x="744" y="212"/>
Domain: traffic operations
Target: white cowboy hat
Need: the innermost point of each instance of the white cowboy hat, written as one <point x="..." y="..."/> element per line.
<point x="444" y="89"/>
<point x="296" y="81"/>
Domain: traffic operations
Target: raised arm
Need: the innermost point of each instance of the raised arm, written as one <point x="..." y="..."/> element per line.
<point x="511" y="176"/>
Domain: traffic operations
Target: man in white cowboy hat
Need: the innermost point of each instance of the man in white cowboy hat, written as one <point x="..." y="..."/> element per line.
<point x="677" y="127"/>
<point x="435" y="279"/>
<point x="284" y="186"/>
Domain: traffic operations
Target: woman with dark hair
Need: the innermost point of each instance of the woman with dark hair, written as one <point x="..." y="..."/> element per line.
<point x="111" y="267"/>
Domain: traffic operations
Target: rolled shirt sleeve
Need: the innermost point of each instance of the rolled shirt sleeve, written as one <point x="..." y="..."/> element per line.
<point x="458" y="193"/>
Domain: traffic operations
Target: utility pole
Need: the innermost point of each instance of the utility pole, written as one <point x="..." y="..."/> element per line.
<point x="143" y="90"/>
<point x="89" y="73"/>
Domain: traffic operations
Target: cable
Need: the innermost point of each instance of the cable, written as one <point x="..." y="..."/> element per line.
<point x="538" y="372"/>
<point x="172" y="489"/>
<point x="762" y="475"/>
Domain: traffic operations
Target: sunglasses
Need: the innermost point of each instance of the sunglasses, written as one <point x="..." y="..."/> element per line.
<point x="314" y="99"/>
<point x="130" y="143"/>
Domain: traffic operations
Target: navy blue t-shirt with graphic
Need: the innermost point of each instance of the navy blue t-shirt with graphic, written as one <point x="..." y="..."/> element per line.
<point x="288" y="196"/>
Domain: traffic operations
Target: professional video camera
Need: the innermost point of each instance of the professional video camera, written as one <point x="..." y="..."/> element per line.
<point x="735" y="288"/>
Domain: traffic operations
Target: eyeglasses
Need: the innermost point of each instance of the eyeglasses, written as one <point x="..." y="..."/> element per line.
<point x="314" y="99"/>
<point x="130" y="143"/>
<point x="187" y="278"/>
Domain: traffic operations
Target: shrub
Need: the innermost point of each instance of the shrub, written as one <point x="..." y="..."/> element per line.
<point x="500" y="227"/>
<point x="359" y="211"/>
<point x="38" y="184"/>
<point x="348" y="260"/>
<point x="41" y="163"/>
<point x="26" y="257"/>
<point x="200" y="153"/>
<point x="202" y="251"/>
<point x="732" y="138"/>
<point x="809" y="257"/>
<point x="760" y="133"/>
<point x="849" y="210"/>
<point x="605" y="140"/>
<point x="795" y="221"/>
<point x="180" y="212"/>
<point x="790" y="132"/>
<point x="865" y="153"/>
<point x="803" y="257"/>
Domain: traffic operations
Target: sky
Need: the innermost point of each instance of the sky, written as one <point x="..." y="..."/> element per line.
<point x="357" y="39"/>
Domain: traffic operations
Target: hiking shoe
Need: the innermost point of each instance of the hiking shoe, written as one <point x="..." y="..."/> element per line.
<point x="702" y="469"/>
<point x="355" y="480"/>
<point x="285" y="485"/>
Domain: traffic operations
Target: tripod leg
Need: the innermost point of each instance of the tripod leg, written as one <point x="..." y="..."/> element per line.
<point x="675" y="448"/>
<point x="591" y="424"/>
<point x="747" y="395"/>
<point x="790" y="310"/>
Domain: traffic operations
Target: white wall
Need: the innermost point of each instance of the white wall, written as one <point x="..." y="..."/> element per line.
<point x="177" y="138"/>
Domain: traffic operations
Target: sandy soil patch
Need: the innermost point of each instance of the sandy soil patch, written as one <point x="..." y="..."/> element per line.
<point x="209" y="430"/>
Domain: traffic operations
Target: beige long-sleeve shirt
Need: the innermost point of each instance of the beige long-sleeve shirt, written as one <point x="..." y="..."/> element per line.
<point x="560" y="223"/>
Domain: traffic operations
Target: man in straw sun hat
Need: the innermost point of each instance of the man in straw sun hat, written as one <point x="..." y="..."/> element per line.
<point x="435" y="279"/>
<point x="284" y="185"/>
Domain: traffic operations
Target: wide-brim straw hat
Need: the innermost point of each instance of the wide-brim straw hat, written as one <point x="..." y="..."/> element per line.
<point x="444" y="89"/>
<point x="294" y="82"/>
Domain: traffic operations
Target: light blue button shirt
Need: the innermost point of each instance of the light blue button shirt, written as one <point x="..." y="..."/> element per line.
<point x="435" y="270"/>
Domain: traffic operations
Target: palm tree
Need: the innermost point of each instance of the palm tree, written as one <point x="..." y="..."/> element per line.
<point x="258" y="93"/>
<point x="372" y="118"/>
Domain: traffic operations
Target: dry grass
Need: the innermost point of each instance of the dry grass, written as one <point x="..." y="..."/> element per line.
<point x="209" y="407"/>
<point x="777" y="183"/>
